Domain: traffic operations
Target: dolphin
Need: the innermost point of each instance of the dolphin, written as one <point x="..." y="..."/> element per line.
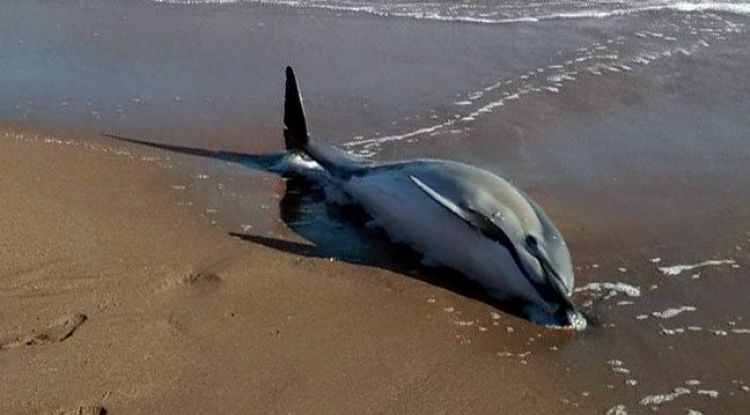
<point x="456" y="215"/>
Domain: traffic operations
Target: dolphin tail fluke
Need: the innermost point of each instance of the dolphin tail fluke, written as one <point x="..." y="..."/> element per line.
<point x="296" y="137"/>
<point x="295" y="124"/>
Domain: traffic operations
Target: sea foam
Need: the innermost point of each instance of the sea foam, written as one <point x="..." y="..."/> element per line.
<point x="622" y="287"/>
<point x="679" y="269"/>
<point x="653" y="400"/>
<point x="672" y="312"/>
<point x="497" y="13"/>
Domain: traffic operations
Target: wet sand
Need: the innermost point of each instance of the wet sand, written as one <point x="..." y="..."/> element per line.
<point x="123" y="288"/>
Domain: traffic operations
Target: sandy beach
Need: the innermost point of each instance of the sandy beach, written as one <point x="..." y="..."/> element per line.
<point x="123" y="296"/>
<point x="142" y="280"/>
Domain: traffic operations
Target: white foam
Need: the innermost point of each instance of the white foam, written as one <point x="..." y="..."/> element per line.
<point x="617" y="366"/>
<point x="477" y="14"/>
<point x="712" y="393"/>
<point x="624" y="302"/>
<point x="622" y="287"/>
<point x="653" y="400"/>
<point x="399" y="137"/>
<point x="672" y="332"/>
<point x="617" y="410"/>
<point x="577" y="321"/>
<point x="679" y="269"/>
<point x="621" y="370"/>
<point x="672" y="312"/>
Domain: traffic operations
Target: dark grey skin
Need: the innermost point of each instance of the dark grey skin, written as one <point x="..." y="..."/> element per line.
<point x="458" y="215"/>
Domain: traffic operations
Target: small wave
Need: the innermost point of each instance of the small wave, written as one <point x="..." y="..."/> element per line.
<point x="494" y="14"/>
<point x="601" y="58"/>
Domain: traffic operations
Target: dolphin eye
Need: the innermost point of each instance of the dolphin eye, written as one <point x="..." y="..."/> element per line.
<point x="531" y="242"/>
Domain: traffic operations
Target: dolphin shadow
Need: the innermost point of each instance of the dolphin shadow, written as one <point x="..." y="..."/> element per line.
<point x="341" y="232"/>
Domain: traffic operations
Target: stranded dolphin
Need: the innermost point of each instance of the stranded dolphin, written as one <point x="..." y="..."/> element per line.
<point x="457" y="215"/>
<point x="454" y="214"/>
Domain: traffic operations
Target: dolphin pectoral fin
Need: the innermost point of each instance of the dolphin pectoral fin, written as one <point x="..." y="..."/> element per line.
<point x="443" y="201"/>
<point x="472" y="217"/>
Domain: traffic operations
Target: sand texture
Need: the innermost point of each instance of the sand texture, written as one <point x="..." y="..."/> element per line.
<point x="183" y="279"/>
<point x="118" y="295"/>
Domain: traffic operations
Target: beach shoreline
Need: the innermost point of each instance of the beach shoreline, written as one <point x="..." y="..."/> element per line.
<point x="143" y="281"/>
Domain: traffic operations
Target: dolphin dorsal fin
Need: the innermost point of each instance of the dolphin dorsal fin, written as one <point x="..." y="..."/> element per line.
<point x="295" y="123"/>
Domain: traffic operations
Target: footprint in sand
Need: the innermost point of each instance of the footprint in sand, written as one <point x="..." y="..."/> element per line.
<point x="198" y="281"/>
<point x="58" y="331"/>
<point x="203" y="280"/>
<point x="84" y="410"/>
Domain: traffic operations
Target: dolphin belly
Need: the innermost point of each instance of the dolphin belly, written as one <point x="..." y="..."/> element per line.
<point x="408" y="215"/>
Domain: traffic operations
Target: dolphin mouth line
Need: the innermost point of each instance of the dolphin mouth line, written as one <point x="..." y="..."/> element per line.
<point x="554" y="290"/>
